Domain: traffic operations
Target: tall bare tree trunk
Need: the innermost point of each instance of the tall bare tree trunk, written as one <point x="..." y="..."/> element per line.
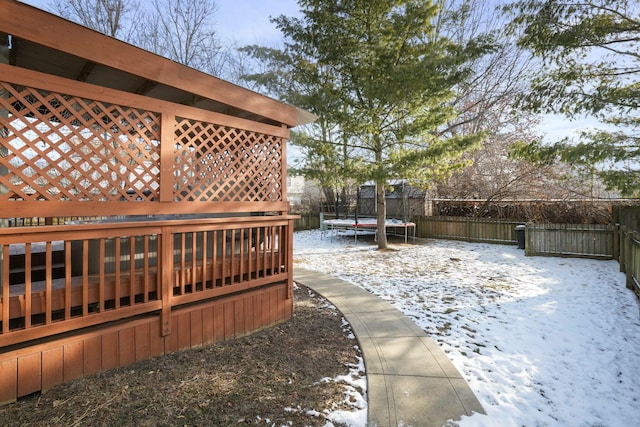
<point x="381" y="210"/>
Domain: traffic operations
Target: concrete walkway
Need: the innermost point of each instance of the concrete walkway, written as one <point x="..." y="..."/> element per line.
<point x="410" y="380"/>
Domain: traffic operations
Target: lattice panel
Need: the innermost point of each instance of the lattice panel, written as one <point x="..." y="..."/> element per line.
<point x="218" y="163"/>
<point x="59" y="147"/>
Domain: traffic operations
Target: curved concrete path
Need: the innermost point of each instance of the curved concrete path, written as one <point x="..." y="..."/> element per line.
<point x="410" y="381"/>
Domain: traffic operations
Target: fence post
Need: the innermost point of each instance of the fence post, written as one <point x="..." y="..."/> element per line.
<point x="630" y="255"/>
<point x="616" y="242"/>
<point x="528" y="249"/>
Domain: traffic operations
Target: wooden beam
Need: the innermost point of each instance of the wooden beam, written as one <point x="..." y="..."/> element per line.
<point x="26" y="209"/>
<point x="167" y="161"/>
<point x="38" y="80"/>
<point x="86" y="70"/>
<point x="146" y="87"/>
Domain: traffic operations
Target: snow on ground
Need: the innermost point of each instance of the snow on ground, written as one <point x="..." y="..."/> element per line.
<point x="541" y="341"/>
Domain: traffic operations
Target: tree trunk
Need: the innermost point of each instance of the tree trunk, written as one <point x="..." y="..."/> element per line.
<point x="381" y="210"/>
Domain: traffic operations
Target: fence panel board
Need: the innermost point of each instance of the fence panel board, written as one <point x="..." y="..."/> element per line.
<point x="630" y="257"/>
<point x="471" y="229"/>
<point x="576" y="240"/>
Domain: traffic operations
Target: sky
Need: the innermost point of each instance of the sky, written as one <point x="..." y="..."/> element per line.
<point x="541" y="341"/>
<point x="248" y="22"/>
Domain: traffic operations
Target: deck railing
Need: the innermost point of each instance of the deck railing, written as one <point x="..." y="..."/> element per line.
<point x="55" y="279"/>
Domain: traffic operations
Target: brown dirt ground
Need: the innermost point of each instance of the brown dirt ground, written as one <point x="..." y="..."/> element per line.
<point x="272" y="377"/>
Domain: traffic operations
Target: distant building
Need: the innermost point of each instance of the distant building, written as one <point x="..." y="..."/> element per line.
<point x="403" y="200"/>
<point x="295" y="189"/>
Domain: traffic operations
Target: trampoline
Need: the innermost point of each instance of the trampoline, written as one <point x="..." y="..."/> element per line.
<point x="370" y="225"/>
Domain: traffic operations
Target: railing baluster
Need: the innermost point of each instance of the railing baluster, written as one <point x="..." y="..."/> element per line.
<point x="214" y="258"/>
<point x="27" y="285"/>
<point x="250" y="246"/>
<point x="165" y="271"/>
<point x="224" y="258"/>
<point x="265" y="247"/>
<point x="145" y="261"/>
<point x="85" y="277"/>
<point x="194" y="261"/>
<point x="273" y="250"/>
<point x="203" y="276"/>
<point x="232" y="257"/>
<point x="101" y="275"/>
<point x="183" y="271"/>
<point x="282" y="248"/>
<point x="67" y="279"/>
<point x="5" y="288"/>
<point x="116" y="264"/>
<point x="241" y="263"/>
<point x="258" y="231"/>
<point x="48" y="290"/>
<point x="132" y="270"/>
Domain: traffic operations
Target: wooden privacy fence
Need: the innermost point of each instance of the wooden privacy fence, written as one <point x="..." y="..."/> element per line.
<point x="575" y="240"/>
<point x="307" y="222"/>
<point x="471" y="229"/>
<point x="598" y="241"/>
<point x="578" y="240"/>
<point x="629" y="257"/>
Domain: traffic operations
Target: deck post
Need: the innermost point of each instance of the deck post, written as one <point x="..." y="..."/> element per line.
<point x="5" y="52"/>
<point x="165" y="266"/>
<point x="289" y="255"/>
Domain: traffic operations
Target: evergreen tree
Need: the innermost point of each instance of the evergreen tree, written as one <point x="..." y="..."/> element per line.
<point x="590" y="66"/>
<point x="387" y="76"/>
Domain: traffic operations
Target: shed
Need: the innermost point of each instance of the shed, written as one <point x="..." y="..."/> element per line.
<point x="143" y="204"/>
<point x="404" y="201"/>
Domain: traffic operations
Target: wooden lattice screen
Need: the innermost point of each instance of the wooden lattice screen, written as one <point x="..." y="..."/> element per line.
<point x="58" y="147"/>
<point x="67" y="148"/>
<point x="218" y="163"/>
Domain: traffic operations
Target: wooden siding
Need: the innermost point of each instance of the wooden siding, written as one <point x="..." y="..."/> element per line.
<point x="43" y="365"/>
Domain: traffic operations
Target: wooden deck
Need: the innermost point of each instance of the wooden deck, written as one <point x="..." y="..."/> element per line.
<point x="46" y="363"/>
<point x="173" y="264"/>
<point x="242" y="266"/>
<point x="159" y="196"/>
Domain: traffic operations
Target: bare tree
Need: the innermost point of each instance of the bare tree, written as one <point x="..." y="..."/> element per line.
<point x="116" y="18"/>
<point x="183" y="30"/>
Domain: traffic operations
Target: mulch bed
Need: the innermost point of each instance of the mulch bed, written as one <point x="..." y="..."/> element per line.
<point x="276" y="376"/>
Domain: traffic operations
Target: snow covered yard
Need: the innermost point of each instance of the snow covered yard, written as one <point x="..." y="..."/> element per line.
<point x="541" y="341"/>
